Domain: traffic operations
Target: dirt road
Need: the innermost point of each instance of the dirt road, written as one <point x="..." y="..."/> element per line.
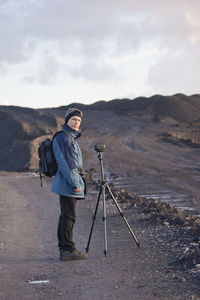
<point x="29" y="264"/>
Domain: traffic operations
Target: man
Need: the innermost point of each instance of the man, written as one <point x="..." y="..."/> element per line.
<point x="68" y="182"/>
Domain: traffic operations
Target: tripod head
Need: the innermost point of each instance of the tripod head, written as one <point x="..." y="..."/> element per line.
<point x="100" y="147"/>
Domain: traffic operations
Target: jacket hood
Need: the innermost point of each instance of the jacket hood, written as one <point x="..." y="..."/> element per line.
<point x="74" y="133"/>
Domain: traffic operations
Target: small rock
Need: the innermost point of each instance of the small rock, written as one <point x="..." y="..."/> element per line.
<point x="186" y="250"/>
<point x="183" y="279"/>
<point x="197" y="266"/>
<point x="166" y="223"/>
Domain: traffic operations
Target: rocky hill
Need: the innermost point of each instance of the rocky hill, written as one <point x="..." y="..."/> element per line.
<point x="23" y="128"/>
<point x="152" y="143"/>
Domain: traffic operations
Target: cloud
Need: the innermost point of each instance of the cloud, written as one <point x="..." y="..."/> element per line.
<point x="90" y="23"/>
<point x="99" y="41"/>
<point x="176" y="73"/>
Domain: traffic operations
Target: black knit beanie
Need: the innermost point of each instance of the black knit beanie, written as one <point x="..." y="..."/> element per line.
<point x="71" y="112"/>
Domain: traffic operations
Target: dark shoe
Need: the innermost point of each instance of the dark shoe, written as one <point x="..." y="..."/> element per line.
<point x="75" y="255"/>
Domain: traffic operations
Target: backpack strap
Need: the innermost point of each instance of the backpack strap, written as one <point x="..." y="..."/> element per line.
<point x="67" y="134"/>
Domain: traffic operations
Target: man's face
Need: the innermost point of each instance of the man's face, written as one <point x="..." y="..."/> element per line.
<point x="74" y="122"/>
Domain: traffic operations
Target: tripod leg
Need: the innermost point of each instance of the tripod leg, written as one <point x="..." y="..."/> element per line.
<point x="122" y="214"/>
<point x="94" y="217"/>
<point x="104" y="220"/>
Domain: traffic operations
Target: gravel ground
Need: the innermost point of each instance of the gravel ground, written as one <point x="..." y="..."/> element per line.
<point x="166" y="267"/>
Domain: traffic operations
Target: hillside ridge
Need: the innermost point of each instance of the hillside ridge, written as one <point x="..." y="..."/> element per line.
<point x="25" y="127"/>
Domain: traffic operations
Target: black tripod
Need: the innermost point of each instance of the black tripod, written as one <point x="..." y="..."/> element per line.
<point x="103" y="187"/>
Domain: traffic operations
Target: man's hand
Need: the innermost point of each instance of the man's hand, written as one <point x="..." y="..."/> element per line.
<point x="78" y="190"/>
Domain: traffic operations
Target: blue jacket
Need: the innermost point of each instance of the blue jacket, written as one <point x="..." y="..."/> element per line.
<point x="69" y="159"/>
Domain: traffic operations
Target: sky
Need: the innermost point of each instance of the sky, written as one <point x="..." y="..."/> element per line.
<point x="57" y="52"/>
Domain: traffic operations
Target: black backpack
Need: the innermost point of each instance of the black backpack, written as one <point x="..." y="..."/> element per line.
<point x="47" y="161"/>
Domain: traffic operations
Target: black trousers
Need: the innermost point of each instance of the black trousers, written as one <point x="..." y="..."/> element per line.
<point x="66" y="223"/>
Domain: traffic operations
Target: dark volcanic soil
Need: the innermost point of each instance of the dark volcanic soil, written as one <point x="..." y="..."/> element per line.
<point x="153" y="144"/>
<point x="153" y="150"/>
<point x="166" y="267"/>
<point x="139" y="159"/>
